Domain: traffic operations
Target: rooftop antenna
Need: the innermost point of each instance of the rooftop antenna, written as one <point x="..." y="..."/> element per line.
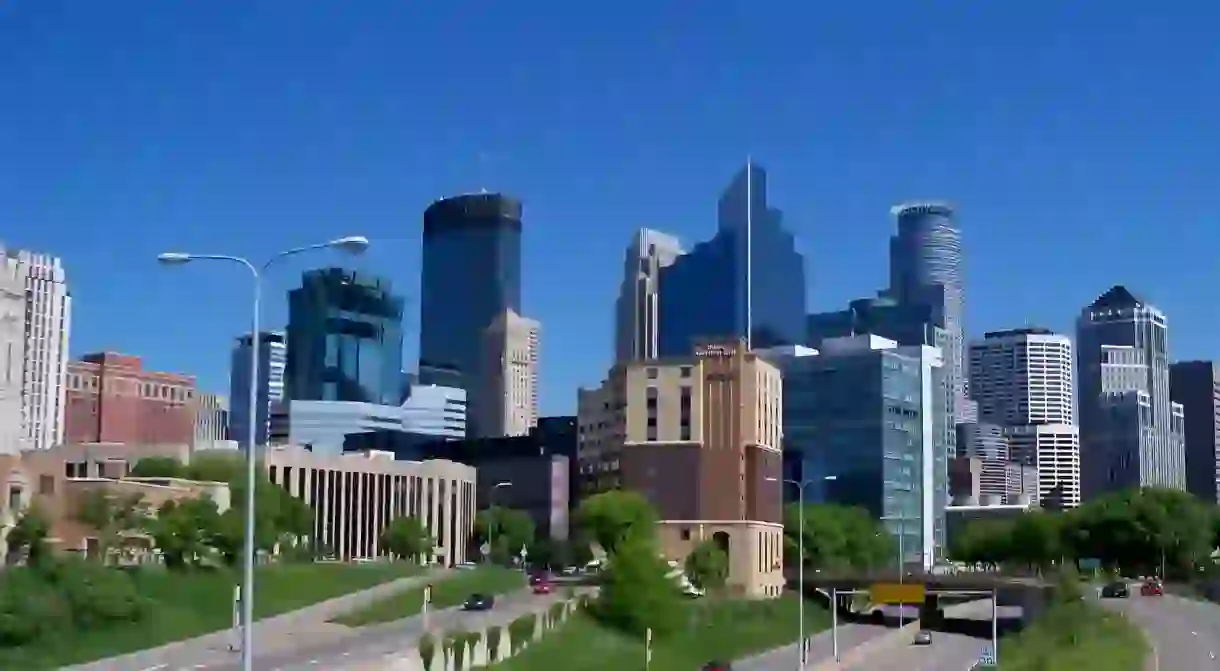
<point x="484" y="159"/>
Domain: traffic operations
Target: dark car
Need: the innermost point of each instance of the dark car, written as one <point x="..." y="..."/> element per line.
<point x="539" y="578"/>
<point x="923" y="637"/>
<point x="1116" y="590"/>
<point x="717" y="666"/>
<point x="479" y="602"/>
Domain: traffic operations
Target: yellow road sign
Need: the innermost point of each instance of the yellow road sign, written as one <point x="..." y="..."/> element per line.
<point x="893" y="592"/>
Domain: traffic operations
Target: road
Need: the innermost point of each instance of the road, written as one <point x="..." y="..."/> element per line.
<point x="948" y="651"/>
<point x="821" y="646"/>
<point x="1183" y="634"/>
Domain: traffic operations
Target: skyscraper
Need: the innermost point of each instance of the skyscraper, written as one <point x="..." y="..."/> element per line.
<point x="1131" y="431"/>
<point x="926" y="269"/>
<point x="471" y="275"/>
<point x="637" y="312"/>
<point x="1196" y="385"/>
<point x="272" y="359"/>
<point x="508" y="393"/>
<point x="747" y="282"/>
<point x="12" y="355"/>
<point x="344" y="339"/>
<point x="48" y="320"/>
<point x="1022" y="381"/>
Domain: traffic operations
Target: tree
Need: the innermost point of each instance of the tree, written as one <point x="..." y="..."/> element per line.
<point x="158" y="467"/>
<point x="612" y="517"/>
<point x="406" y="537"/>
<point x="1037" y="539"/>
<point x="636" y="592"/>
<point x="112" y="515"/>
<point x="185" y="531"/>
<point x="707" y="566"/>
<point x="30" y="534"/>
<point x="837" y="538"/>
<point x="506" y="530"/>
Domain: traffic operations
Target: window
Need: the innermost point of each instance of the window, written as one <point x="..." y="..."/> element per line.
<point x="652" y="373"/>
<point x="685" y="533"/>
<point x="46" y="484"/>
<point x="684" y="371"/>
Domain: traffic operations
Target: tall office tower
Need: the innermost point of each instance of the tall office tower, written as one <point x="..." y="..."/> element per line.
<point x="471" y="276"/>
<point x="926" y="269"/>
<point x="1196" y="385"/>
<point x="747" y="282"/>
<point x="48" y="322"/>
<point x="211" y="421"/>
<point x="344" y="339"/>
<point x="1131" y="431"/>
<point x="636" y="312"/>
<point x="272" y="359"/>
<point x="508" y="395"/>
<point x="855" y="409"/>
<point x="1022" y="380"/>
<point x="12" y="355"/>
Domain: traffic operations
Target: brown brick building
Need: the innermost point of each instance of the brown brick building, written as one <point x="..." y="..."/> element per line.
<point x="701" y="438"/>
<point x="112" y="399"/>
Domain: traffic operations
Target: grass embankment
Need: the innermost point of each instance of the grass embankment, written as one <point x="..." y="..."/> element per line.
<point x="725" y="630"/>
<point x="183" y="605"/>
<point x="1075" y="636"/>
<point x="447" y="593"/>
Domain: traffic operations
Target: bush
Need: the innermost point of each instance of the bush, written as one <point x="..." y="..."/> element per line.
<point x="96" y="595"/>
<point x="455" y="643"/>
<point x="636" y="595"/>
<point x="472" y="641"/>
<point x="427" y="650"/>
<point x="30" y="609"/>
<point x="556" y="612"/>
<point x="521" y="630"/>
<point x="493" y="644"/>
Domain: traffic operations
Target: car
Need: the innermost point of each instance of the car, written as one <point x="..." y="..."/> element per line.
<point x="717" y="666"/>
<point x="923" y="637"/>
<point x="539" y="578"/>
<point x="543" y="587"/>
<point x="1151" y="588"/>
<point x="479" y="602"/>
<point x="1116" y="590"/>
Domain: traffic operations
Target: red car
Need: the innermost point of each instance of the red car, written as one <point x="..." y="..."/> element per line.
<point x="1151" y="589"/>
<point x="542" y="587"/>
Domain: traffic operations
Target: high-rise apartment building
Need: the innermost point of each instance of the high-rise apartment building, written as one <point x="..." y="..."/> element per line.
<point x="344" y="339"/>
<point x="1196" y="386"/>
<point x="269" y="387"/>
<point x="48" y="320"/>
<point x="1022" y="380"/>
<point x="112" y="399"/>
<point x="12" y="355"/>
<point x="471" y="275"/>
<point x="508" y="394"/>
<point x="637" y="310"/>
<point x="699" y="436"/>
<point x="1131" y="431"/>
<point x="747" y="282"/>
<point x="861" y="423"/>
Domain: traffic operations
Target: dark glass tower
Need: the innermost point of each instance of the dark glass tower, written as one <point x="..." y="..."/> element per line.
<point x="344" y="339"/>
<point x="471" y="275"/>
<point x="748" y="281"/>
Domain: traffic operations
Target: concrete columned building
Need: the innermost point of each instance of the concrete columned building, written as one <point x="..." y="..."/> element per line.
<point x="700" y="436"/>
<point x="356" y="495"/>
<point x="637" y="311"/>
<point x="48" y="322"/>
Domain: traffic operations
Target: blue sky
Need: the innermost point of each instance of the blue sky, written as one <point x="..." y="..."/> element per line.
<point x="1079" y="140"/>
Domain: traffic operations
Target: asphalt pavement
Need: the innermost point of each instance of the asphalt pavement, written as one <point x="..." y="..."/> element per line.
<point x="1183" y="633"/>
<point x="948" y="651"/>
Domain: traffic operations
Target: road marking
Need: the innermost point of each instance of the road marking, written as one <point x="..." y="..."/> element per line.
<point x="1194" y="633"/>
<point x="155" y="668"/>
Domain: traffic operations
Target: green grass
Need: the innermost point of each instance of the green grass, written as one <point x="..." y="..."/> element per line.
<point x="185" y="605"/>
<point x="1075" y="636"/>
<point x="445" y="594"/>
<point x="724" y="631"/>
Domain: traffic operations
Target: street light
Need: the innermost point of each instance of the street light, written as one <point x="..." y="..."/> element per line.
<point x="800" y="565"/>
<point x="491" y="522"/>
<point x="353" y="244"/>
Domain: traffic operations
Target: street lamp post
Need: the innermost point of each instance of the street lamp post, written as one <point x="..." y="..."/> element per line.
<point x="354" y="244"/>
<point x="800" y="568"/>
<point x="491" y="522"/>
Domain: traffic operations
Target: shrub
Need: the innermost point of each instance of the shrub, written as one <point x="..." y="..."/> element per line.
<point x="636" y="594"/>
<point x="472" y="642"/>
<point x="521" y="630"/>
<point x="96" y="595"/>
<point x="427" y="650"/>
<point x="556" y="612"/>
<point x="493" y="644"/>
<point x="455" y="643"/>
<point x="30" y="609"/>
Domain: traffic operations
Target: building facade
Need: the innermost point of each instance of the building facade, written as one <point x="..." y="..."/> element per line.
<point x="508" y="386"/>
<point x="1053" y="450"/>
<point x="355" y="496"/>
<point x="344" y="339"/>
<point x="637" y="311"/>
<point x="747" y="282"/>
<point x="211" y="420"/>
<point x="861" y="421"/>
<point x="13" y="436"/>
<point x="1195" y="385"/>
<point x="700" y="437"/>
<point x="1131" y="430"/>
<point x="471" y="249"/>
<point x="269" y="391"/>
<point x="48" y="322"/>
<point x="112" y="399"/>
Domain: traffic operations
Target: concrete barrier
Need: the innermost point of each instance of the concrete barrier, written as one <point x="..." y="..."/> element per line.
<point x="885" y="642"/>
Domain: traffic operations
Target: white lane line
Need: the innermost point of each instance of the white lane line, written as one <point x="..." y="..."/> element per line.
<point x="154" y="668"/>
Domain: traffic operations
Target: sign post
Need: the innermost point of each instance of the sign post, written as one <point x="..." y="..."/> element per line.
<point x="427" y="600"/>
<point x="235" y="644"/>
<point x="647" y="648"/>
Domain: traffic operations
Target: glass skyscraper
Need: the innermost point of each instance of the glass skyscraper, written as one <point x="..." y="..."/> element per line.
<point x="344" y="339"/>
<point x="748" y="281"/>
<point x="471" y="276"/>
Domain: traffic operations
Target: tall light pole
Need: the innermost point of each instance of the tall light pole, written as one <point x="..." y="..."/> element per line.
<point x="800" y="567"/>
<point x="491" y="521"/>
<point x="354" y="244"/>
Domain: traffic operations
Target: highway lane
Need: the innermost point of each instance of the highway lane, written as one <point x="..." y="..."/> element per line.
<point x="948" y="651"/>
<point x="820" y="648"/>
<point x="1183" y="634"/>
